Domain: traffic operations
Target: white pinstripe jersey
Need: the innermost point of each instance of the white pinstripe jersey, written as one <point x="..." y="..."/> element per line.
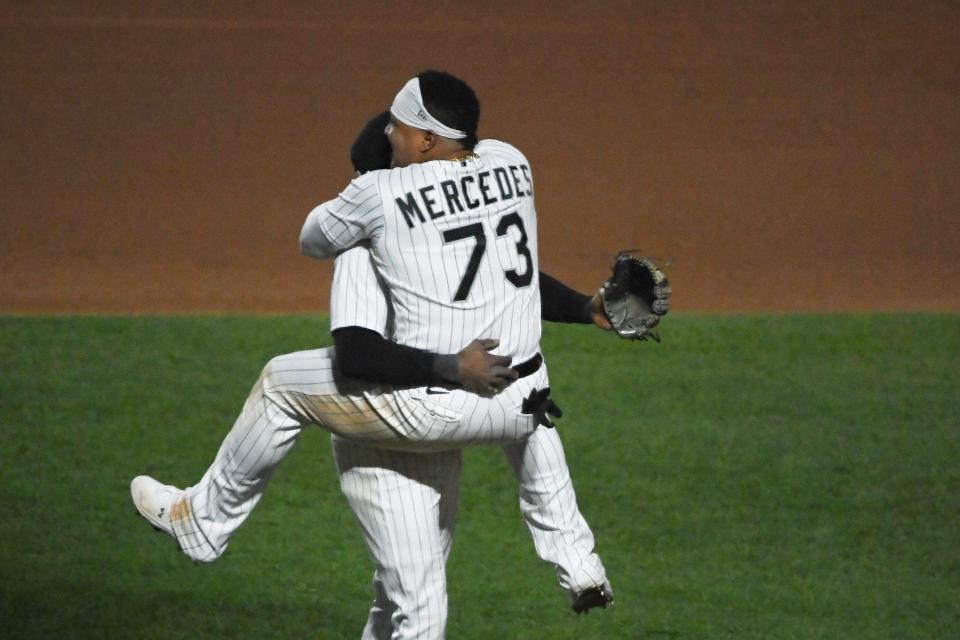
<point x="358" y="297"/>
<point x="455" y="244"/>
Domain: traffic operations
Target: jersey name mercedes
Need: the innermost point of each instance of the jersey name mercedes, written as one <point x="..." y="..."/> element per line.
<point x="466" y="193"/>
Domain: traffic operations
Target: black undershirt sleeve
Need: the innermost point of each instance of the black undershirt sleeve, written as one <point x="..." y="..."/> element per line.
<point x="365" y="354"/>
<point x="560" y="303"/>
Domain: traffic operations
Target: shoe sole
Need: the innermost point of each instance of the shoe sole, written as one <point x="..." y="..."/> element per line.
<point x="593" y="598"/>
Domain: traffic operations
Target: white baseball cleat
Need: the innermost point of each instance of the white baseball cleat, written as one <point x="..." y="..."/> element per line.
<point x="155" y="501"/>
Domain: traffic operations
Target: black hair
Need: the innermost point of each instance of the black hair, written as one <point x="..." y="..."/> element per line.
<point x="451" y="101"/>
<point x="371" y="149"/>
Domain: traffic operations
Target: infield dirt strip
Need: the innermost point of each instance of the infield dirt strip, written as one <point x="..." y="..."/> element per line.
<point x="796" y="157"/>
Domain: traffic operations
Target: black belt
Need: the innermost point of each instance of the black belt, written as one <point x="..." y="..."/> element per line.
<point x="527" y="367"/>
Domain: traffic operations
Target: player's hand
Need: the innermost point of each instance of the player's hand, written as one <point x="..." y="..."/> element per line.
<point x="481" y="372"/>
<point x="599" y="317"/>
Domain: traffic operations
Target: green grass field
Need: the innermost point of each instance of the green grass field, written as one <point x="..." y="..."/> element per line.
<point x="751" y="477"/>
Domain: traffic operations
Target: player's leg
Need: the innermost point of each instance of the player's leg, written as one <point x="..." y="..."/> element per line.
<point x="210" y="511"/>
<point x="548" y="503"/>
<point x="204" y="517"/>
<point x="304" y="388"/>
<point x="307" y="386"/>
<point x="406" y="506"/>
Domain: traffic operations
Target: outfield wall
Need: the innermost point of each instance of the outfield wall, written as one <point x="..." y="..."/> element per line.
<point x="788" y="156"/>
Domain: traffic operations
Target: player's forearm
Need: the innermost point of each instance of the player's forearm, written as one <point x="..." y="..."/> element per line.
<point x="560" y="303"/>
<point x="365" y="354"/>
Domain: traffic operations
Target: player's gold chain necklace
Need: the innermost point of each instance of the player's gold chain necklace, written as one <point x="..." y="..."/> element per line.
<point x="463" y="158"/>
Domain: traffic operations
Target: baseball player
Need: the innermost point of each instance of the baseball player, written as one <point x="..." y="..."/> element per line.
<point x="406" y="502"/>
<point x="409" y="527"/>
<point x="466" y="210"/>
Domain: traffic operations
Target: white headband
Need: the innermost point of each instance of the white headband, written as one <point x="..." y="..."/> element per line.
<point x="408" y="108"/>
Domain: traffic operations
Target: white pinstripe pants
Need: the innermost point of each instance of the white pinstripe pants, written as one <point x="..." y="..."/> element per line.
<point x="304" y="388"/>
<point x="406" y="506"/>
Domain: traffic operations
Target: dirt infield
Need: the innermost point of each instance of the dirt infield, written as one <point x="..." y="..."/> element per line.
<point x="800" y="156"/>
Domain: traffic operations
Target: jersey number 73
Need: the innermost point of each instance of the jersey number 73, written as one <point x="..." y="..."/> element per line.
<point x="475" y="231"/>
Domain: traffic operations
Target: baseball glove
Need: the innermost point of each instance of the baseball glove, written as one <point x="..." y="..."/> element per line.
<point x="635" y="297"/>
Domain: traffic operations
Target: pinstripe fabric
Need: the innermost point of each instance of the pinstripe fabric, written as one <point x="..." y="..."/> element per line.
<point x="358" y="296"/>
<point x="548" y="503"/>
<point x="406" y="506"/>
<point x="303" y="388"/>
<point x="423" y="269"/>
<point x="230" y="489"/>
<point x="378" y="482"/>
